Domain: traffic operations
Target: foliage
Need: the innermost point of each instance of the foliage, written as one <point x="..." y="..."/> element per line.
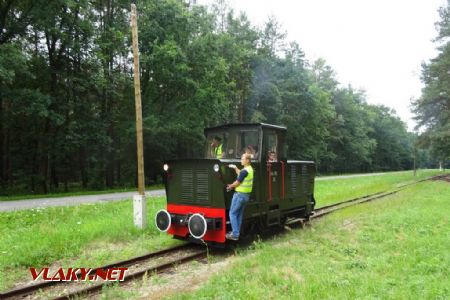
<point x="433" y="107"/>
<point x="67" y="94"/>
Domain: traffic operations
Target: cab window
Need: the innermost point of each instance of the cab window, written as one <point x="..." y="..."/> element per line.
<point x="247" y="141"/>
<point x="216" y="145"/>
<point x="271" y="146"/>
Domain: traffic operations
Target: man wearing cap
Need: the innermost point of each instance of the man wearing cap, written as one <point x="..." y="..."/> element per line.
<point x="216" y="146"/>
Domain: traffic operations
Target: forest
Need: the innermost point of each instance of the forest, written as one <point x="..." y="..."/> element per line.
<point x="67" y="95"/>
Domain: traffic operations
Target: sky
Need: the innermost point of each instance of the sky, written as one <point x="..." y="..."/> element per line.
<point x="376" y="45"/>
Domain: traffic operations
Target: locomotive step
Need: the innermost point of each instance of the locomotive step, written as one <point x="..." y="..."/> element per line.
<point x="295" y="220"/>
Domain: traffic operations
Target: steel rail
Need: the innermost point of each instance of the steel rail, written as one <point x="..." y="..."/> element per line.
<point x="347" y="201"/>
<point x="324" y="210"/>
<point x="29" y="289"/>
<point x="319" y="212"/>
<point x="136" y="275"/>
<point x="158" y="269"/>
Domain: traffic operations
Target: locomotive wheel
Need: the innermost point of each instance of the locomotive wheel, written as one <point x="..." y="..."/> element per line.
<point x="261" y="227"/>
<point x="248" y="232"/>
<point x="248" y="229"/>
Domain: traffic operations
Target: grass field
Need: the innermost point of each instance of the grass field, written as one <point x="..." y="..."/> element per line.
<point x="74" y="192"/>
<point x="93" y="235"/>
<point x="85" y="235"/>
<point x="336" y="190"/>
<point x="395" y="248"/>
<point x="392" y="178"/>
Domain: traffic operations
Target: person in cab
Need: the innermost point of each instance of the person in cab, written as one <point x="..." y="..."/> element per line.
<point x="272" y="156"/>
<point x="216" y="146"/>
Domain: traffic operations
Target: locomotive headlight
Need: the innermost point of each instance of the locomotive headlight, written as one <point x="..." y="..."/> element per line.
<point x="166" y="167"/>
<point x="216" y="168"/>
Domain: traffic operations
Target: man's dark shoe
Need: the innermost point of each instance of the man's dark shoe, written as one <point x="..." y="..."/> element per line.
<point x="231" y="237"/>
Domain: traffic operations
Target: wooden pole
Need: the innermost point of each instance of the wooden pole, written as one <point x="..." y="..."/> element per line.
<point x="137" y="96"/>
<point x="139" y="202"/>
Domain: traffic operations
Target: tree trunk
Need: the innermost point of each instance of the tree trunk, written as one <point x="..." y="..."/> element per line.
<point x="4" y="155"/>
<point x="34" y="165"/>
<point x="43" y="163"/>
<point x="53" y="173"/>
<point x="7" y="158"/>
<point x="82" y="164"/>
<point x="118" y="175"/>
<point x="66" y="176"/>
<point x="2" y="150"/>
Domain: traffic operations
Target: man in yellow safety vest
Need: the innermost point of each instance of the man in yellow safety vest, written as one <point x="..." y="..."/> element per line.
<point x="243" y="187"/>
<point x="216" y="147"/>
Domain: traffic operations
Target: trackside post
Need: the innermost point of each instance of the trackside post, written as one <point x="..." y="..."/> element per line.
<point x="139" y="201"/>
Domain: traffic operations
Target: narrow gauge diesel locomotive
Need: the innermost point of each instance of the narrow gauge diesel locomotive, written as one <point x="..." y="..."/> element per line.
<point x="197" y="200"/>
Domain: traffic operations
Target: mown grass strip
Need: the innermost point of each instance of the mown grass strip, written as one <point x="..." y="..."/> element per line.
<point x="95" y="234"/>
<point x="23" y="196"/>
<point x="85" y="235"/>
<point x="337" y="190"/>
<point x="393" y="248"/>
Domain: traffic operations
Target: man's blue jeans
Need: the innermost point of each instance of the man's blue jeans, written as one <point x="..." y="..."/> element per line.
<point x="237" y="211"/>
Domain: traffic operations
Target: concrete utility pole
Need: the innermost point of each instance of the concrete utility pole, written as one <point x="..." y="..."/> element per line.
<point x="139" y="201"/>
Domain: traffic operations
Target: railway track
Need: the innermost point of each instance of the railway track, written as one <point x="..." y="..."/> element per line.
<point x="70" y="290"/>
<point x="324" y="210"/>
<point x="196" y="253"/>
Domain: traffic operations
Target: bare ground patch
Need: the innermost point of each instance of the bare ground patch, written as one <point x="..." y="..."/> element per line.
<point x="442" y="178"/>
<point x="184" y="278"/>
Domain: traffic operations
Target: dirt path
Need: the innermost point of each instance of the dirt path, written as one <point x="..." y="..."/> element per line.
<point x="70" y="201"/>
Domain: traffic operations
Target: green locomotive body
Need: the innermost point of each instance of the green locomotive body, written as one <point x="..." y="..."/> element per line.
<point x="197" y="200"/>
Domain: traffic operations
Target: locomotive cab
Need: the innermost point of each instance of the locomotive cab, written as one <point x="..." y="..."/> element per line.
<point x="197" y="200"/>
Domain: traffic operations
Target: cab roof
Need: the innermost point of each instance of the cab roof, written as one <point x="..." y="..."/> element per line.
<point x="262" y="125"/>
